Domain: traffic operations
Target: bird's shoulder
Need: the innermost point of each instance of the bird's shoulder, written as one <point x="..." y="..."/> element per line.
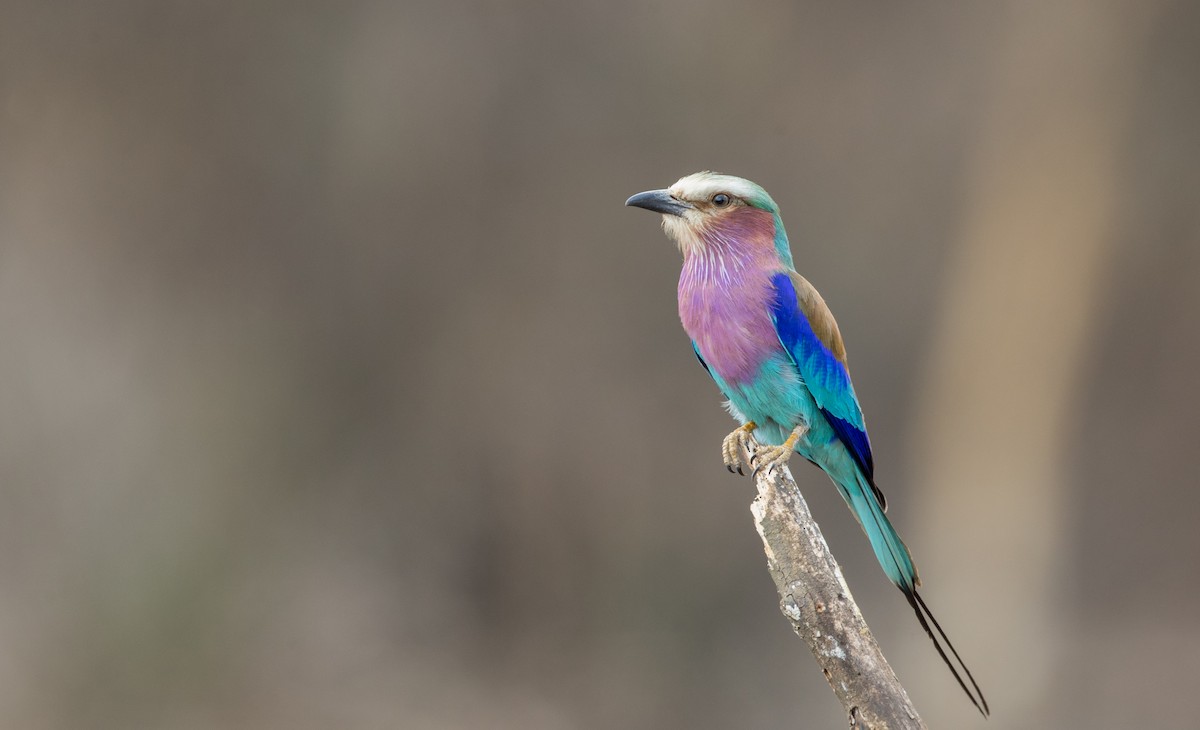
<point x="812" y="305"/>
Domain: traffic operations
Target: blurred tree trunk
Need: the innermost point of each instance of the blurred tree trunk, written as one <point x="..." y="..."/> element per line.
<point x="1022" y="291"/>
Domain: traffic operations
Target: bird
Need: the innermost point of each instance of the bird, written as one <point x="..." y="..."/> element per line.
<point x="769" y="341"/>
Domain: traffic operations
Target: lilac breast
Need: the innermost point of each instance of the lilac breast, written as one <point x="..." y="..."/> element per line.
<point x="725" y="295"/>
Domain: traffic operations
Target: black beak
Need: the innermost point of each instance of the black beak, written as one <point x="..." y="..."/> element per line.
<point x="659" y="201"/>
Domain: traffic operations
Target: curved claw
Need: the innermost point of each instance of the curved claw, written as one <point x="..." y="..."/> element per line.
<point x="769" y="457"/>
<point x="734" y="445"/>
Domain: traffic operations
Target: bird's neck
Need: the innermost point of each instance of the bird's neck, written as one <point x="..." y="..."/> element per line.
<point x="725" y="294"/>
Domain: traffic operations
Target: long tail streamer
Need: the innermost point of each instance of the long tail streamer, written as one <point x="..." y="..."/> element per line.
<point x="922" y="611"/>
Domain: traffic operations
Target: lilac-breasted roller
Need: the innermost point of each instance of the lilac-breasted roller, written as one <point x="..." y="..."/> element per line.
<point x="769" y="341"/>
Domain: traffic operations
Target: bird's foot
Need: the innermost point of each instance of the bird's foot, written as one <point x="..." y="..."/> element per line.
<point x="770" y="457"/>
<point x="734" y="444"/>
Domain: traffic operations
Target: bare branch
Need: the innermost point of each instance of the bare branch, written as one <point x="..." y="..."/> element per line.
<point x="814" y="597"/>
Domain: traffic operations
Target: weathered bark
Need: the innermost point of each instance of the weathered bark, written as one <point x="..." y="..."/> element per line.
<point x="814" y="597"/>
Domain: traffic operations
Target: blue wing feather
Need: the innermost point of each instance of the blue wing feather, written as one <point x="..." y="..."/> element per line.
<point x="856" y="439"/>
<point x="824" y="374"/>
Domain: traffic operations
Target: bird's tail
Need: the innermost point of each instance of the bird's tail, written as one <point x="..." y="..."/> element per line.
<point x="889" y="549"/>
<point x="898" y="564"/>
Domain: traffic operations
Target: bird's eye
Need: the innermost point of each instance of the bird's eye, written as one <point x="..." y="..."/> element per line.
<point x="720" y="200"/>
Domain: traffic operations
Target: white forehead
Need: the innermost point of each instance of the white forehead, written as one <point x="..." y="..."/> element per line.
<point x="703" y="185"/>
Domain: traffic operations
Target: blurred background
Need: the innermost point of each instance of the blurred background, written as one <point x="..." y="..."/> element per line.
<point x="339" y="390"/>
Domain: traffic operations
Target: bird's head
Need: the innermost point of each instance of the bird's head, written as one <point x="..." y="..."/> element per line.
<point x="708" y="209"/>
